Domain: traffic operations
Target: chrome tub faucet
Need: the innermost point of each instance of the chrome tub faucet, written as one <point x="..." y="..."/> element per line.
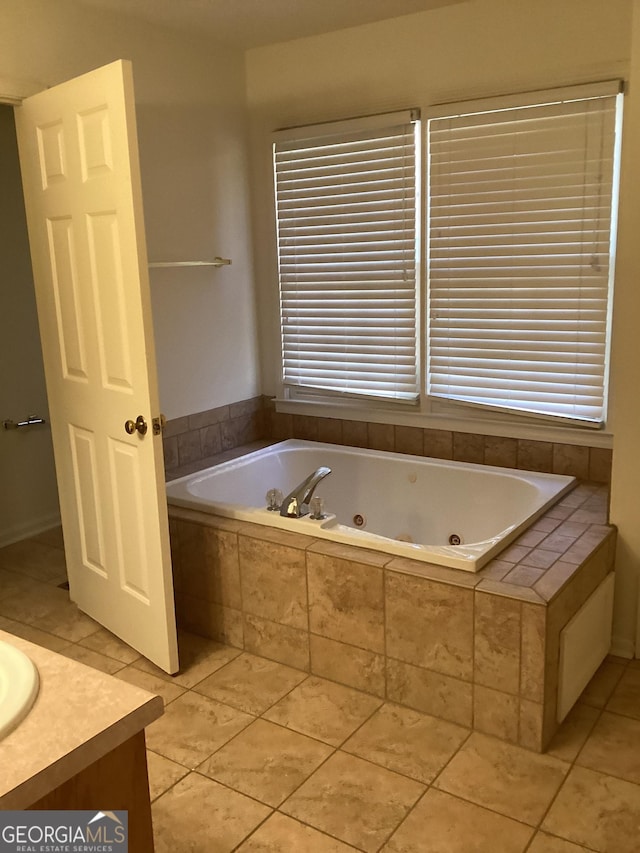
<point x="296" y="504"/>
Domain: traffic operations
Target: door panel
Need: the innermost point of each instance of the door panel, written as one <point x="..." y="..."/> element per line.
<point x="78" y="153"/>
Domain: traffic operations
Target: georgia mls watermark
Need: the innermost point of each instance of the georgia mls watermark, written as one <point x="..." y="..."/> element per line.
<point x="64" y="832"/>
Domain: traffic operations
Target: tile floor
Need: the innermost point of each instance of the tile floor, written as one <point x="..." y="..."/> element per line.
<point x="254" y="756"/>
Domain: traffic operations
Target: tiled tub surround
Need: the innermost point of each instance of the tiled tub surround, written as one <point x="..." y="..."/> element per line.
<point x="193" y="441"/>
<point x="476" y="649"/>
<point x="190" y="439"/>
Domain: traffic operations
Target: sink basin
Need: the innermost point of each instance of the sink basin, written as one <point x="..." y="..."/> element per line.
<point x="19" y="685"/>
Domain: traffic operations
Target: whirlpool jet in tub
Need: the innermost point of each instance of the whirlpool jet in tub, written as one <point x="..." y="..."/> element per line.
<point x="453" y="514"/>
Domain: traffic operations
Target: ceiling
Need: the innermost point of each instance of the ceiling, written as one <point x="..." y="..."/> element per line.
<point x="251" y="23"/>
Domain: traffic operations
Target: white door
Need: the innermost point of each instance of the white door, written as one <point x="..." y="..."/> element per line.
<point x="79" y="161"/>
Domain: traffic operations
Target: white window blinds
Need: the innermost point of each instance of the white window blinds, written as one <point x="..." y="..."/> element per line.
<point x="519" y="255"/>
<point x="346" y="220"/>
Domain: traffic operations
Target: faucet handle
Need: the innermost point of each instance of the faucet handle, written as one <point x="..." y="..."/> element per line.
<point x="274" y="499"/>
<point x="316" y="505"/>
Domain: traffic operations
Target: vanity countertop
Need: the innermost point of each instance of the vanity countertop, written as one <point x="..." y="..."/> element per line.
<point x="80" y="714"/>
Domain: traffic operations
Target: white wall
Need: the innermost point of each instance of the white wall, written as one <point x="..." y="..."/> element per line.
<point x="625" y="397"/>
<point x="28" y="493"/>
<point x="192" y="131"/>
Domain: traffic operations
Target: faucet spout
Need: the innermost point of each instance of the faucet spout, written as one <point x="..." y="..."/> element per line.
<point x="296" y="504"/>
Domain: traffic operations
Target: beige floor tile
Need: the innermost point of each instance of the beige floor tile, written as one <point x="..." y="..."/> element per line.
<point x="32" y="607"/>
<point x="544" y="843"/>
<point x="441" y="823"/>
<point x="33" y="635"/>
<point x="34" y="559"/>
<point x="93" y="659"/>
<point x="251" y="683"/>
<point x="67" y="621"/>
<point x="406" y="741"/>
<point x="163" y="773"/>
<point x="199" y="815"/>
<point x="14" y="583"/>
<point x="266" y="762"/>
<point x="280" y="833"/>
<point x="323" y="710"/>
<point x="193" y="727"/>
<point x="108" y="644"/>
<point x="51" y="537"/>
<point x="353" y="800"/>
<point x="152" y="683"/>
<point x="503" y="777"/>
<point x="612" y="747"/>
<point x="199" y="657"/>
<point x="574" y="731"/>
<point x="598" y="691"/>
<point x="626" y="697"/>
<point x="598" y="811"/>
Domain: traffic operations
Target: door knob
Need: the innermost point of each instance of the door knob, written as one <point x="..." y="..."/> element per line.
<point x="139" y="424"/>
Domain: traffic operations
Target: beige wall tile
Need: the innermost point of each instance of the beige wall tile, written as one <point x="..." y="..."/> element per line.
<point x="354" y="433"/>
<point x="468" y="447"/>
<point x="346" y="601"/>
<point x="208" y="619"/>
<point x="438" y="443"/>
<point x="600" y="459"/>
<point x="535" y="455"/>
<point x="330" y="430"/>
<point x="496" y="713"/>
<point x="348" y="552"/>
<point x="222" y="561"/>
<point x="278" y="642"/>
<point x="497" y="642"/>
<point x="429" y="624"/>
<point x="348" y="665"/>
<point x="430" y="692"/>
<point x="532" y="734"/>
<point x="305" y="427"/>
<point x="409" y="440"/>
<point x="571" y="459"/>
<point x="273" y="582"/>
<point x="532" y="666"/>
<point x="380" y="436"/>
<point x="500" y="451"/>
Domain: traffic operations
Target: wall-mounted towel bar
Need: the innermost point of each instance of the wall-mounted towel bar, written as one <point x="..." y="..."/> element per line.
<point x="32" y="420"/>
<point x="216" y="262"/>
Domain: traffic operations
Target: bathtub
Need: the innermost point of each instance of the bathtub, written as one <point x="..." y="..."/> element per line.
<point x="405" y="506"/>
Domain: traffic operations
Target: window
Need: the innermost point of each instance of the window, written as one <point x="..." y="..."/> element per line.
<point x="521" y="214"/>
<point x="346" y="226"/>
<point x="521" y="205"/>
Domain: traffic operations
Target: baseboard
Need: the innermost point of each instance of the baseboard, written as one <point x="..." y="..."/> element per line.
<point x="31" y="528"/>
<point x="622" y="647"/>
